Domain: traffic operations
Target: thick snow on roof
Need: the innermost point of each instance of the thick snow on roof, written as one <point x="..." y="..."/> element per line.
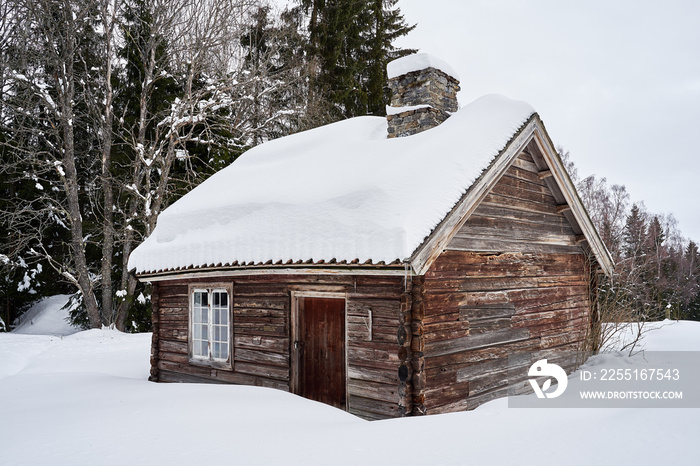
<point x="342" y="191"/>
<point x="418" y="61"/>
<point x="397" y="110"/>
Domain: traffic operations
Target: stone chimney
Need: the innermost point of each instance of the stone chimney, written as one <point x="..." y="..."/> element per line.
<point x="424" y="94"/>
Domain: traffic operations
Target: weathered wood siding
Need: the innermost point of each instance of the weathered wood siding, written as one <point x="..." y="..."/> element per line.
<point x="261" y="335"/>
<point x="513" y="279"/>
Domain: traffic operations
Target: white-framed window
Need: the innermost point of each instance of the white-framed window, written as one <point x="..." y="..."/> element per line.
<point x="210" y="324"/>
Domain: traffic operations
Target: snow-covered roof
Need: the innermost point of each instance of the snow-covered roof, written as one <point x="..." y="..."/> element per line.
<point x="416" y="62"/>
<point x="339" y="192"/>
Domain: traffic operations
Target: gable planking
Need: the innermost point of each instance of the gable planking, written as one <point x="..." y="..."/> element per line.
<point x="520" y="214"/>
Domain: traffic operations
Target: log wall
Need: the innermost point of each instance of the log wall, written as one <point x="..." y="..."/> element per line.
<point x="261" y="336"/>
<point x="514" y="278"/>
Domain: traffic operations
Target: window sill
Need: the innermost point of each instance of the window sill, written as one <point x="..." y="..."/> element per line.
<point x="221" y="365"/>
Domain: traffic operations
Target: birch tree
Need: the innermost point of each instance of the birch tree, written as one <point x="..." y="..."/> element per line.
<point x="43" y="87"/>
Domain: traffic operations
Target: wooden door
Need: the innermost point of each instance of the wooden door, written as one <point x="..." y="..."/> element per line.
<point x="321" y="350"/>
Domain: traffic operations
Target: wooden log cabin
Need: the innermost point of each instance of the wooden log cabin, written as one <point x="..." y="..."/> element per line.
<point x="386" y="266"/>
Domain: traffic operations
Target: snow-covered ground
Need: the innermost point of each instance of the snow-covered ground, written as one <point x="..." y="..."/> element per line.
<point x="83" y="399"/>
<point x="47" y="318"/>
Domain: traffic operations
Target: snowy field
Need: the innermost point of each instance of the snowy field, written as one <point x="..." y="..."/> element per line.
<point x="84" y="399"/>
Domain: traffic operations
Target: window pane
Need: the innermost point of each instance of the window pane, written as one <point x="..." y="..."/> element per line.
<point x="224" y="299"/>
<point x="205" y="299"/>
<point x="197" y="348"/>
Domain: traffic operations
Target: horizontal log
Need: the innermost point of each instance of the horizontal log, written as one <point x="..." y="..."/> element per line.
<point x="262" y="357"/>
<point x="169" y="289"/>
<point x="165" y="301"/>
<point x="446" y="335"/>
<point x="505" y="213"/>
<point x="261" y="290"/>
<point x="386" y="376"/>
<point x="371" y="354"/>
<point x="172" y="334"/>
<point x="261" y="302"/>
<point x="477" y="355"/>
<point x="269" y="372"/>
<point x="173" y="346"/>
<point x="259" y="315"/>
<point x="260" y="342"/>
<point x="447" y="395"/>
<point x="392" y="291"/>
<point x="358" y="404"/>
<point x="173" y="357"/>
<point x="179" y="377"/>
<point x="450" y="260"/>
<point x="503" y="226"/>
<point x="559" y="340"/>
<point x="261" y="329"/>
<point x="472" y="342"/>
<point x="482" y="244"/>
<point x="503" y="189"/>
<point x="510" y="235"/>
<point x="489" y="325"/>
<point x="474" y="315"/>
<point x="499" y="200"/>
<point x="525" y="165"/>
<point x="374" y="390"/>
<point x="482" y="369"/>
<point x="517" y="172"/>
<point x="437" y="318"/>
<point x="196" y="374"/>
<point x="545" y="317"/>
<point x="527" y="185"/>
<point x="381" y="308"/>
<point x="459" y="405"/>
<point x="504" y="283"/>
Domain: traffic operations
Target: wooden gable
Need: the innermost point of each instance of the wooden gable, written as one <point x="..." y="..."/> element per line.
<point x="520" y="214"/>
<point x="528" y="182"/>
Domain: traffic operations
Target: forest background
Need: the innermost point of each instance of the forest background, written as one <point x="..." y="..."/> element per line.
<point x="110" y="110"/>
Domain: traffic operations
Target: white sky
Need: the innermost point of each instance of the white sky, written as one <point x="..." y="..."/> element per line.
<point x="617" y="83"/>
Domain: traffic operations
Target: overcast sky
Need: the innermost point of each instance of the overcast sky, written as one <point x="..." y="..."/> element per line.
<point x="617" y="83"/>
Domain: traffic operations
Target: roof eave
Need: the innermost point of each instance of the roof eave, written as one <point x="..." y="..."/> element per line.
<point x="305" y="269"/>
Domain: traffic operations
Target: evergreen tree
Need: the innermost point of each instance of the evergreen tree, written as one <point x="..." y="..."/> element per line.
<point x="635" y="233"/>
<point x="352" y="41"/>
<point x="690" y="308"/>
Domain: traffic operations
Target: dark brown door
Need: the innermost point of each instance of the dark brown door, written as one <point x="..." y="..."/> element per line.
<point x="321" y="348"/>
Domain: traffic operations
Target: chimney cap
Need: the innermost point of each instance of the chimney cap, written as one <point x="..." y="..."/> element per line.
<point x="417" y="62"/>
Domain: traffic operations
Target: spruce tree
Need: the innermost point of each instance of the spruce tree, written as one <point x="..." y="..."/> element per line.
<point x="353" y="41"/>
